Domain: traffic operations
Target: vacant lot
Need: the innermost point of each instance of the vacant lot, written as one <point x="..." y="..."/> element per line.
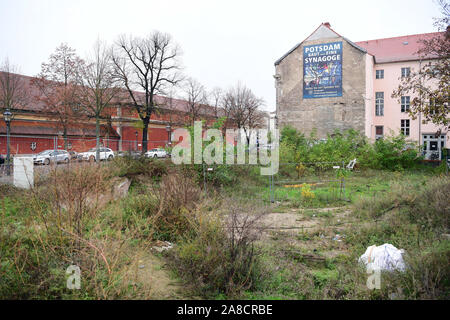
<point x="229" y="240"/>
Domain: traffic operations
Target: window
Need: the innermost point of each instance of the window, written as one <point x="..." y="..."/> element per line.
<point x="379" y="103"/>
<point x="405" y="103"/>
<point x="379" y="74"/>
<point x="404" y="127"/>
<point x="433" y="106"/>
<point x="406" y="72"/>
<point x="379" y="132"/>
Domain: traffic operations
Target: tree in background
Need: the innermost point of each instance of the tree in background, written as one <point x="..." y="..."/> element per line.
<point x="98" y="86"/>
<point x="430" y="84"/>
<point x="13" y="92"/>
<point x="215" y="98"/>
<point x="242" y="107"/>
<point x="196" y="98"/>
<point x="58" y="84"/>
<point x="149" y="65"/>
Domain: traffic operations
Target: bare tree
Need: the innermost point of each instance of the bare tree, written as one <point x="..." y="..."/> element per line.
<point x="242" y="107"/>
<point x="98" y="86"/>
<point x="195" y="96"/>
<point x="215" y="98"/>
<point x="149" y="65"/>
<point x="58" y="83"/>
<point x="13" y="92"/>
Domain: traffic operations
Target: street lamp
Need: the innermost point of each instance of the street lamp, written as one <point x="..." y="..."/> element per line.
<point x="135" y="144"/>
<point x="7" y="115"/>
<point x="168" y="129"/>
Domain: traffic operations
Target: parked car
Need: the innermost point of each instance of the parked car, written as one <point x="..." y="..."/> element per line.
<point x="47" y="156"/>
<point x="132" y="154"/>
<point x="91" y="155"/>
<point x="156" y="153"/>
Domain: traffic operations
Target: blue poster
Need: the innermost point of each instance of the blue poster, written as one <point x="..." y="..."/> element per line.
<point x="322" y="70"/>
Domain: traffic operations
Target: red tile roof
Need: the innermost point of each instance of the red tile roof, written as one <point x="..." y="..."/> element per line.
<point x="402" y="48"/>
<point x="35" y="105"/>
<point x="384" y="50"/>
<point x="88" y="130"/>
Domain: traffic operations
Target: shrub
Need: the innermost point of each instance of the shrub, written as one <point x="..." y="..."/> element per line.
<point x="220" y="257"/>
<point x="164" y="208"/>
<point x="395" y="153"/>
<point x="132" y="167"/>
<point x="392" y="152"/>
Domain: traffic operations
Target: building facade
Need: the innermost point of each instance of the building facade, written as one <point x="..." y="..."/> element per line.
<point x="34" y="128"/>
<point x="328" y="83"/>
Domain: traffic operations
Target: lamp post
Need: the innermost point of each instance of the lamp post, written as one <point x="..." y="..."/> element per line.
<point x="7" y="115"/>
<point x="169" y="128"/>
<point x="136" y="142"/>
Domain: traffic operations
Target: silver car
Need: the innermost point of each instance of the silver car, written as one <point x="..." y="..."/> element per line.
<point x="47" y="156"/>
<point x="156" y="153"/>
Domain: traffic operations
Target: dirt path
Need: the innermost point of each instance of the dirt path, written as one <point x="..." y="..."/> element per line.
<point x="153" y="278"/>
<point x="308" y="230"/>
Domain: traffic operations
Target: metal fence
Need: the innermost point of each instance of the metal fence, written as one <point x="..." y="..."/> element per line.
<point x="294" y="182"/>
<point x="27" y="145"/>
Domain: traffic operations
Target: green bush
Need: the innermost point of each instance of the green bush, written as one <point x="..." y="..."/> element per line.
<point x="131" y="167"/>
<point x="392" y="152"/>
<point x="219" y="258"/>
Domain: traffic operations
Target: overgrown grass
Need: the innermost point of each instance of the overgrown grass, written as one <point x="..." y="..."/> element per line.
<point x="66" y="220"/>
<point x="413" y="215"/>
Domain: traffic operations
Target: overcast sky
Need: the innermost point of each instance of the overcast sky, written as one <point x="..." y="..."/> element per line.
<point x="222" y="41"/>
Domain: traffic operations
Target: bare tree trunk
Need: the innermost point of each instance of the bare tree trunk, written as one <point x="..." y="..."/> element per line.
<point x="65" y="138"/>
<point x="145" y="135"/>
<point x="97" y="137"/>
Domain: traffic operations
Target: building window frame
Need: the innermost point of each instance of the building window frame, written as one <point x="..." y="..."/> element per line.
<point x="379" y="132"/>
<point x="405" y="103"/>
<point x="379" y="74"/>
<point x="405" y="127"/>
<point x="379" y="104"/>
<point x="406" y="72"/>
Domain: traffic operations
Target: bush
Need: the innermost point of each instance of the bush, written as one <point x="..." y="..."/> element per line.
<point x="132" y="167"/>
<point x="395" y="153"/>
<point x="220" y="257"/>
<point x="163" y="211"/>
<point x="413" y="217"/>
<point x="47" y="230"/>
<point x="392" y="152"/>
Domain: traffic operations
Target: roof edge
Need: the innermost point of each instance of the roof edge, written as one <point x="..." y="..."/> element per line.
<point x="299" y="44"/>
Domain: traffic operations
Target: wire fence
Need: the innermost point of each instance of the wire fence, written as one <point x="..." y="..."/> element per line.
<point x="290" y="183"/>
<point x="28" y="145"/>
<point x="293" y="183"/>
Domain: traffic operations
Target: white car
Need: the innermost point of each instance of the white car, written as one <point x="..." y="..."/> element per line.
<point x="47" y="156"/>
<point x="91" y="155"/>
<point x="156" y="153"/>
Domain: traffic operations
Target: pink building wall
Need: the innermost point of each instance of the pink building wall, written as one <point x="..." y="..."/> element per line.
<point x="392" y="107"/>
<point x="369" y="97"/>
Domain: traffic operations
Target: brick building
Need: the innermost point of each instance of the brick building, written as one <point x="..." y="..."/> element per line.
<point x="327" y="83"/>
<point x="34" y="128"/>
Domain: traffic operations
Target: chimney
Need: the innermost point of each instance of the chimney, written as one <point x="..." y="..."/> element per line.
<point x="327" y="24"/>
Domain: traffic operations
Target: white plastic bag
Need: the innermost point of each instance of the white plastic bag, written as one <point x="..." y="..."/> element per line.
<point x="383" y="258"/>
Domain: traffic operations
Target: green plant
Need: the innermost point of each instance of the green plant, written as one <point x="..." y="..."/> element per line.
<point x="220" y="257"/>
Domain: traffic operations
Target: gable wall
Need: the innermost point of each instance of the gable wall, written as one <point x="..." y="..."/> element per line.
<point x="323" y="114"/>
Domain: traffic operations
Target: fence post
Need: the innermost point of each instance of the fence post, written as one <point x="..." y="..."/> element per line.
<point x="342" y="180"/>
<point x="271" y="189"/>
<point x="204" y="178"/>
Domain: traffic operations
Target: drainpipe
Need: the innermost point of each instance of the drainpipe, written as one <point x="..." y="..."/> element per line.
<point x="420" y="113"/>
